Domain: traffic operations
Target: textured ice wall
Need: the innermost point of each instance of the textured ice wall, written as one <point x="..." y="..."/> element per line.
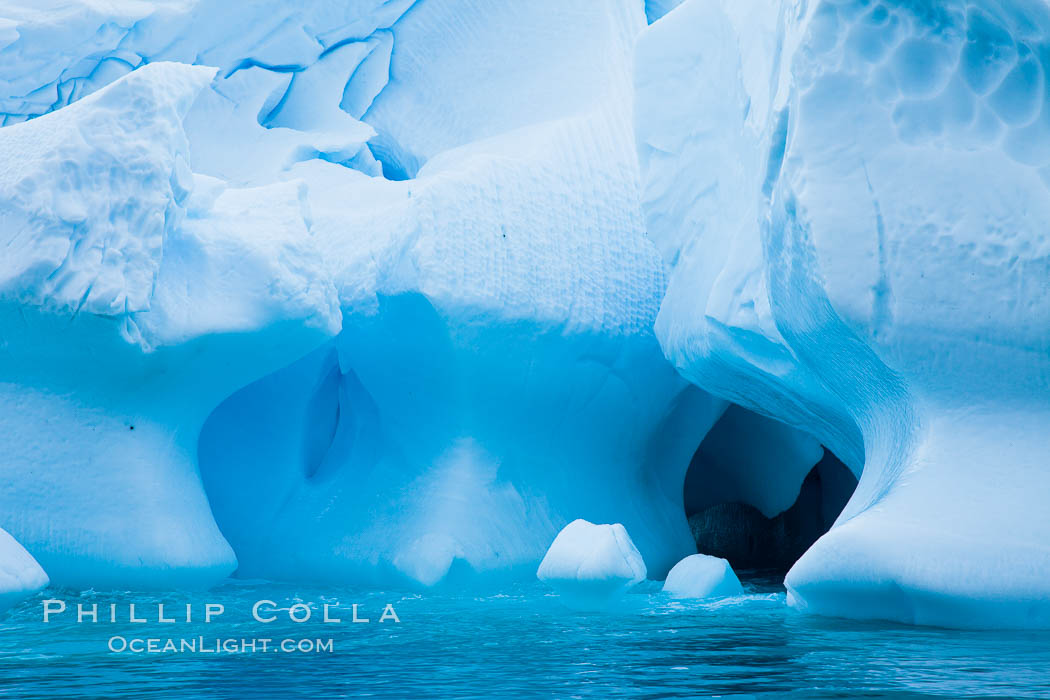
<point x="295" y="78"/>
<point x="497" y="376"/>
<point x="134" y="297"/>
<point x="854" y="199"/>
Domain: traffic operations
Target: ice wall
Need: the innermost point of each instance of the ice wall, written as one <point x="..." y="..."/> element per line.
<point x="295" y="78"/>
<point x="454" y="184"/>
<point x="853" y="197"/>
<point x="401" y="245"/>
<point x="134" y="297"/>
<point x="496" y="378"/>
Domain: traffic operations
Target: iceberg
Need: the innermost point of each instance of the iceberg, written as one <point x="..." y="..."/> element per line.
<point x="497" y="292"/>
<point x="20" y="575"/>
<point x="853" y="199"/>
<point x="702" y="576"/>
<point x="591" y="566"/>
<point x="393" y="292"/>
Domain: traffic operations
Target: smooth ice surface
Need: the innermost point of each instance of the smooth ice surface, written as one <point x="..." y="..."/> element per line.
<point x="590" y="564"/>
<point x="20" y="575"/>
<point x="702" y="576"/>
<point x="853" y="197"/>
<point x="453" y="81"/>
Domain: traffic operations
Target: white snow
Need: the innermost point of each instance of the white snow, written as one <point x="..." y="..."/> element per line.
<point x="97" y="188"/>
<point x="702" y="576"/>
<point x="591" y="565"/>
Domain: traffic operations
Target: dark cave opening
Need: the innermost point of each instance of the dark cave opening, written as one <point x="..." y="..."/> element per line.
<point x="748" y="462"/>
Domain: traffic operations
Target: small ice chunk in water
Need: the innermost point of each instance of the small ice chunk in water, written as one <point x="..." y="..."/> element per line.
<point x="20" y="574"/>
<point x="702" y="576"/>
<point x="591" y="565"/>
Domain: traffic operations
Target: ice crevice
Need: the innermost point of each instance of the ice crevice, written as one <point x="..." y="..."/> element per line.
<point x="277" y="39"/>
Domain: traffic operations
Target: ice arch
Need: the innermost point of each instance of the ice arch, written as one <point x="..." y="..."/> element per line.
<point x="759" y="493"/>
<point x="853" y="198"/>
<point x="518" y="247"/>
<point x="497" y="375"/>
<point x="496" y="378"/>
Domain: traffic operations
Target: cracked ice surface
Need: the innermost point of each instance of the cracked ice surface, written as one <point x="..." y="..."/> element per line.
<point x="854" y="199"/>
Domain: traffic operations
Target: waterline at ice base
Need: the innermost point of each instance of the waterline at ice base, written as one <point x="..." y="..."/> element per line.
<point x="533" y="321"/>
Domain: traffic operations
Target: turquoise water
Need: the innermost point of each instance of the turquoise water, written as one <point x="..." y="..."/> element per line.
<point x="517" y="643"/>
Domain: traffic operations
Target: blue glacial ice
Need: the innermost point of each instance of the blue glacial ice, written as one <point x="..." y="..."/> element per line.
<point x="392" y="292"/>
<point x="853" y="199"/>
<point x="136" y="297"/>
<point x="497" y="314"/>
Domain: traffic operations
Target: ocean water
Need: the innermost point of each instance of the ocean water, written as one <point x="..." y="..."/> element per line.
<point x="519" y="642"/>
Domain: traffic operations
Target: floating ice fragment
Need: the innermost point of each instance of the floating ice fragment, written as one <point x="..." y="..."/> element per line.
<point x="702" y="576"/>
<point x="591" y="565"/>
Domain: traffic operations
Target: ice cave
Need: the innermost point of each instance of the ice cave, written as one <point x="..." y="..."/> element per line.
<point x="759" y="493"/>
<point x="367" y="293"/>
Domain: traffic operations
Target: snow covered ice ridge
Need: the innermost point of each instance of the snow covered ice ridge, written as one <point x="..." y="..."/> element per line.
<point x="366" y="292"/>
